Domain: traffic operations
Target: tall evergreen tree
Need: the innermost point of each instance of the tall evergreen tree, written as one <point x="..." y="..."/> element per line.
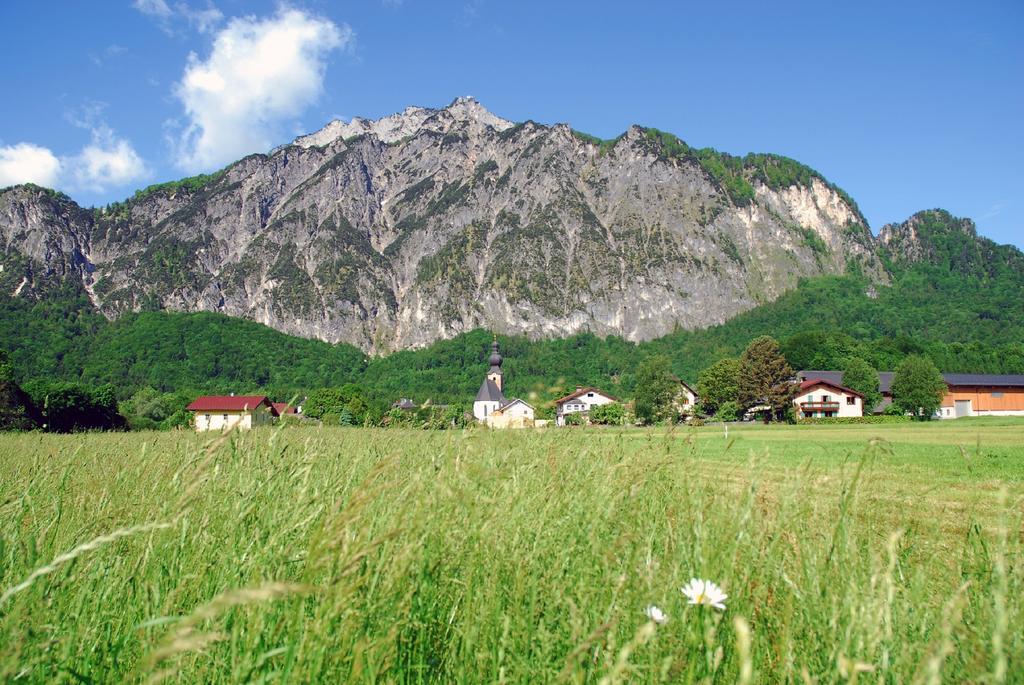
<point x="766" y="378"/>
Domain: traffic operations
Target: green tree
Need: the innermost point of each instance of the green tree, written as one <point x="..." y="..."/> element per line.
<point x="858" y="375"/>
<point x="656" y="389"/>
<point x="324" y="401"/>
<point x="718" y="384"/>
<point x="918" y="387"/>
<point x="766" y="378"/>
<point x="575" y="419"/>
<point x="150" y="408"/>
<point x="613" y="414"/>
<point x="17" y="411"/>
<point x="69" y="407"/>
<point x="728" y="411"/>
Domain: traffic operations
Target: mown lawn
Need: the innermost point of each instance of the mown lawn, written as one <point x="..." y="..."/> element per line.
<point x="885" y="553"/>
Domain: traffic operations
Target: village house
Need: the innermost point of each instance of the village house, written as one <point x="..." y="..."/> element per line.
<point x="973" y="394"/>
<point x="685" y="399"/>
<point x="513" y="413"/>
<point x="286" y="409"/>
<point x="818" y="398"/>
<point x="223" y="412"/>
<point x="580" y="402"/>
<point x="968" y="394"/>
<point x="491" y="407"/>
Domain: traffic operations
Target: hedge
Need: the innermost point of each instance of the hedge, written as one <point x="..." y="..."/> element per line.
<point x="854" y="419"/>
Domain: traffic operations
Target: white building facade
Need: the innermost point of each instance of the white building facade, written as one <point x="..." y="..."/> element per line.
<point x="514" y="413"/>
<point x="580" y="402"/>
<point x="820" y="399"/>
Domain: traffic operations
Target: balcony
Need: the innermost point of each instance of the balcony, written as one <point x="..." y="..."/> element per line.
<point x="819" y="406"/>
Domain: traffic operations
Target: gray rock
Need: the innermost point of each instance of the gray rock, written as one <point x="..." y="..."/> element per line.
<point x="394" y="233"/>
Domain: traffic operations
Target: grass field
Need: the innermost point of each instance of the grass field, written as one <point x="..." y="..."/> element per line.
<point x="880" y="553"/>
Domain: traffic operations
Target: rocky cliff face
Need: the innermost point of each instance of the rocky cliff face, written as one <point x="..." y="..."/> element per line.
<point x="394" y="233"/>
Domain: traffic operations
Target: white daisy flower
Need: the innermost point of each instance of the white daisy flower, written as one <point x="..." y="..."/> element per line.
<point x="705" y="592"/>
<point x="656" y="614"/>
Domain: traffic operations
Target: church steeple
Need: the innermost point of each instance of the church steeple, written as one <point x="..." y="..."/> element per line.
<point x="494" y="373"/>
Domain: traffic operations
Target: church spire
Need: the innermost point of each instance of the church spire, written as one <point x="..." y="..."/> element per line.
<point x="495" y="360"/>
<point x="494" y="373"/>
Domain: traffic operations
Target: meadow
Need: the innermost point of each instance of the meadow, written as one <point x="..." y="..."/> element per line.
<point x="878" y="553"/>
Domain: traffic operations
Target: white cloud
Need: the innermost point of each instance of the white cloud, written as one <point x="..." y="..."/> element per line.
<point x="205" y="20"/>
<point x="260" y="74"/>
<point x="28" y="163"/>
<point x="106" y="161"/>
<point x="170" y="19"/>
<point x="153" y="8"/>
<point x="109" y="53"/>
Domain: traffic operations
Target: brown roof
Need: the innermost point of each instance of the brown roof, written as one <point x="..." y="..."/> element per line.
<point x="952" y="379"/>
<point x="284" y="408"/>
<point x="582" y="391"/>
<point x="814" y="382"/>
<point x="230" y="403"/>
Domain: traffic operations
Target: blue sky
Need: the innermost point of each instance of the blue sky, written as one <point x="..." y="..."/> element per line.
<point x="906" y="105"/>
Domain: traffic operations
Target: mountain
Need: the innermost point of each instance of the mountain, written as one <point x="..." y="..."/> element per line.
<point x="942" y="241"/>
<point x="395" y="233"/>
<point x="964" y="314"/>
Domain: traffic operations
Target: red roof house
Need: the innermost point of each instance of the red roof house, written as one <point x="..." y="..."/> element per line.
<point x="221" y="412"/>
<point x="833" y="400"/>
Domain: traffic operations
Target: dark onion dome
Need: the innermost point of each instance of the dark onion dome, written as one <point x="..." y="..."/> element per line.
<point x="495" y="359"/>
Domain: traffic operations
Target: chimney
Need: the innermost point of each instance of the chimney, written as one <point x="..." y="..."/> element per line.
<point x="578" y="388"/>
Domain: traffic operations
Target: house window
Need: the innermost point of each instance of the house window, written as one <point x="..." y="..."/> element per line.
<point x="824" y="398"/>
<point x="225" y="418"/>
<point x="590" y="394"/>
<point x="851" y="401"/>
<point x="207" y="417"/>
<point x="997" y="394"/>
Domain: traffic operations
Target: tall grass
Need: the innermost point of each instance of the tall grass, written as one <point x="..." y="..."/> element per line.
<point x="349" y="555"/>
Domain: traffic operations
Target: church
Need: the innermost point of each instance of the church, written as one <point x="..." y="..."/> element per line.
<point x="491" y="406"/>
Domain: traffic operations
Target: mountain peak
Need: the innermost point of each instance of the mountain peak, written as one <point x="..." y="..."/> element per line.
<point x="938" y="238"/>
<point x="394" y="127"/>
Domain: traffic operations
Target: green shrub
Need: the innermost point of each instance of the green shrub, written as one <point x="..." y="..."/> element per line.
<point x="835" y="420"/>
<point x="575" y="419"/>
<point x="608" y="414"/>
<point x="729" y="411"/>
